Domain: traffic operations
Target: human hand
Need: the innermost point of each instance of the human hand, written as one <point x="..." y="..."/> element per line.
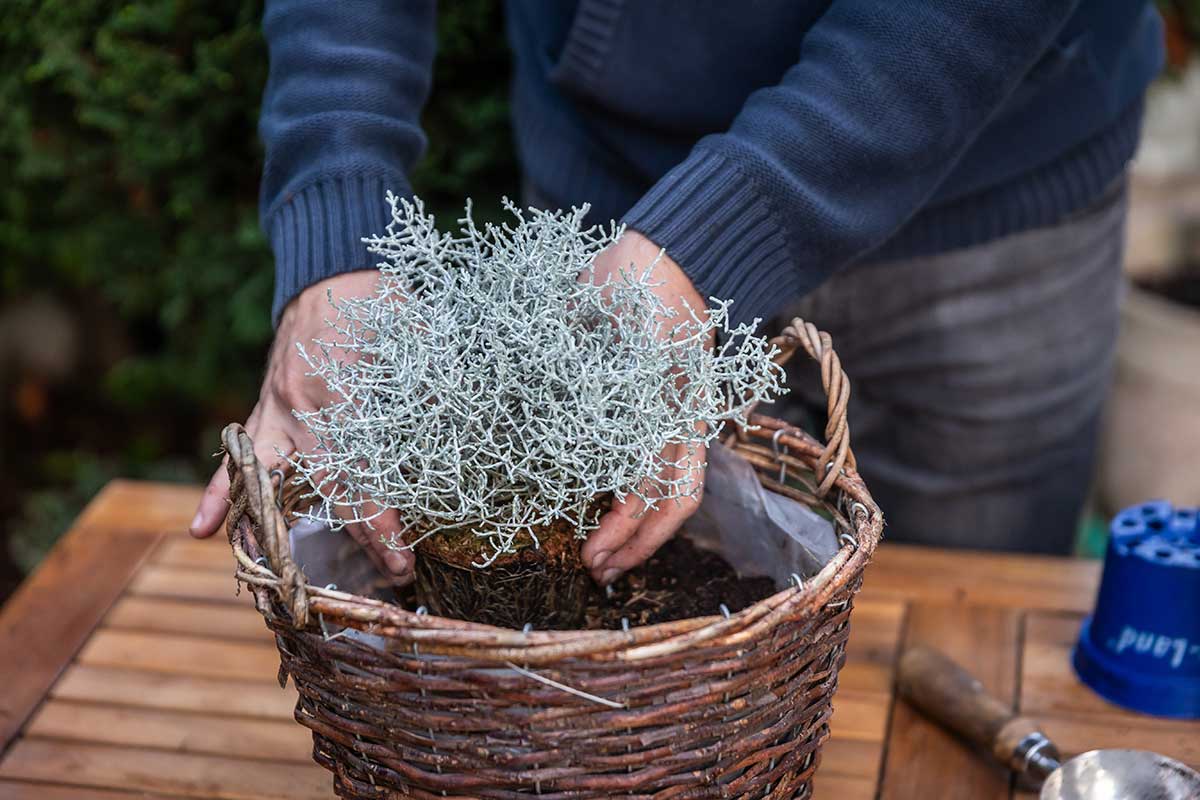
<point x="275" y="430"/>
<point x="624" y="539"/>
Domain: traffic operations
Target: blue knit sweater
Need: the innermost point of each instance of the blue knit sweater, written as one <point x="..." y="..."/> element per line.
<point x="763" y="149"/>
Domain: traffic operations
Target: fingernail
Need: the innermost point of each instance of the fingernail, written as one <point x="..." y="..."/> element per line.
<point x="396" y="562"/>
<point x="192" y="528"/>
<point x="599" y="559"/>
<point x="609" y="575"/>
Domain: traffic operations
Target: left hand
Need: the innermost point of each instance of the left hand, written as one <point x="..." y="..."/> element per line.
<point x="625" y="539"/>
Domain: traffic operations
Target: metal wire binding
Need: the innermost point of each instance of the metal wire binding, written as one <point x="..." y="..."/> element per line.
<point x="796" y="579"/>
<point x="420" y="612"/>
<point x="625" y="624"/>
<point x="325" y="628"/>
<point x="528" y="627"/>
<point x="847" y="540"/>
<point x="779" y="456"/>
<point x="278" y="487"/>
<point x="725" y="610"/>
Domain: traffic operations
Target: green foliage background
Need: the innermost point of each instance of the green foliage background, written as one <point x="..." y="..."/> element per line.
<point x="129" y="168"/>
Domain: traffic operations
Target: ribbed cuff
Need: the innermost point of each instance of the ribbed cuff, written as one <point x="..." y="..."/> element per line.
<point x="317" y="232"/>
<point x="713" y="221"/>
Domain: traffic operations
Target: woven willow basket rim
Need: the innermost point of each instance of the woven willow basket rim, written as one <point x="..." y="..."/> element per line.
<point x="258" y="534"/>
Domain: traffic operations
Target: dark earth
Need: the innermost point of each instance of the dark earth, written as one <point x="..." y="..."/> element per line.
<point x="679" y="581"/>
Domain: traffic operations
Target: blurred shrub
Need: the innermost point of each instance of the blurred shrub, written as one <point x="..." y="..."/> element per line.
<point x="129" y="135"/>
<point x="128" y="138"/>
<point x="129" y="167"/>
<point x="1183" y="30"/>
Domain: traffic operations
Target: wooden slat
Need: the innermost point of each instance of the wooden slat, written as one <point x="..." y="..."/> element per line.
<point x="142" y="507"/>
<point x="875" y="630"/>
<point x="874" y="636"/>
<point x="192" y="617"/>
<point x="183" y="551"/>
<point x="51" y="614"/>
<point x="1048" y="682"/>
<point x="106" y="766"/>
<point x="1075" y="735"/>
<point x="186" y="583"/>
<point x="209" y="734"/>
<point x="182" y="655"/>
<point x="840" y="787"/>
<point x="923" y="760"/>
<point x="1017" y="581"/>
<point x="21" y="790"/>
<point x="1077" y="718"/>
<point x="865" y="676"/>
<point x="851" y="758"/>
<point x="141" y="689"/>
<point x="860" y="715"/>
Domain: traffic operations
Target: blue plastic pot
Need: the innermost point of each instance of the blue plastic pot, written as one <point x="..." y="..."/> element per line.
<point x="1141" y="647"/>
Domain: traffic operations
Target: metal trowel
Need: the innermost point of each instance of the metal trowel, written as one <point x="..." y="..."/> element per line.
<point x="954" y="698"/>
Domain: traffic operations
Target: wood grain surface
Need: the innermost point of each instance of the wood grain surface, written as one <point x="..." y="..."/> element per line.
<point x="132" y="668"/>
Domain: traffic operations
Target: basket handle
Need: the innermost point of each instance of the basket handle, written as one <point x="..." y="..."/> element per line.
<point x="819" y="346"/>
<point x="251" y="485"/>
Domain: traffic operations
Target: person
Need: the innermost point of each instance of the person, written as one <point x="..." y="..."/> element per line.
<point x="938" y="183"/>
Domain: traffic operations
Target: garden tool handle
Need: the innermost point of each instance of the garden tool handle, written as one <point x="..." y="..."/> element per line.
<point x="953" y="697"/>
<point x="819" y="346"/>
<point x="255" y="502"/>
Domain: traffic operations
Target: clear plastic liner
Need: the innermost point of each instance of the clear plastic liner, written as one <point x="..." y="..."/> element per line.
<point x="757" y="531"/>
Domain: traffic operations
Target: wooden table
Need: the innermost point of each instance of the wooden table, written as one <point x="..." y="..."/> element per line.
<point x="128" y="667"/>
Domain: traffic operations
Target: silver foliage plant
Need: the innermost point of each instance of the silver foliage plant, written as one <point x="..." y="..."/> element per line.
<point x="491" y="385"/>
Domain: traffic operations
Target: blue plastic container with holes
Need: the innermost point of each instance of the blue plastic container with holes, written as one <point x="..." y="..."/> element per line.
<point x="1141" y="647"/>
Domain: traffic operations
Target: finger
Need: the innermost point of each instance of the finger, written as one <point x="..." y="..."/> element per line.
<point x="656" y="528"/>
<point x="373" y="535"/>
<point x="362" y="536"/>
<point x="615" y="528"/>
<point x="270" y="439"/>
<point x="400" y="561"/>
<point x="626" y="520"/>
<point x="213" y="504"/>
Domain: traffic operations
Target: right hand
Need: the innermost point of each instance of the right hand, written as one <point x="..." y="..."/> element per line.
<point x="276" y="431"/>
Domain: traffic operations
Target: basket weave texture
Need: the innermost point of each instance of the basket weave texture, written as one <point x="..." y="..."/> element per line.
<point x="710" y="707"/>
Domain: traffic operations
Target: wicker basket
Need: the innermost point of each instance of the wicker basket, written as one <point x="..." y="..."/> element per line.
<point x="711" y="707"/>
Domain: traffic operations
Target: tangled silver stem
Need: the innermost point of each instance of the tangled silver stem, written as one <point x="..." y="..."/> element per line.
<point x="490" y="384"/>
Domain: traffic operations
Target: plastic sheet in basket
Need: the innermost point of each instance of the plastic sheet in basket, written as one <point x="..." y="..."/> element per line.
<point x="757" y="531"/>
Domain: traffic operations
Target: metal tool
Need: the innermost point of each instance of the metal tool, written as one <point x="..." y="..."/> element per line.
<point x="953" y="697"/>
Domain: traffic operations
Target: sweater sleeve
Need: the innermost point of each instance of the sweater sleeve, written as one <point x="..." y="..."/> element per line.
<point x="822" y="167"/>
<point x="340" y="126"/>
